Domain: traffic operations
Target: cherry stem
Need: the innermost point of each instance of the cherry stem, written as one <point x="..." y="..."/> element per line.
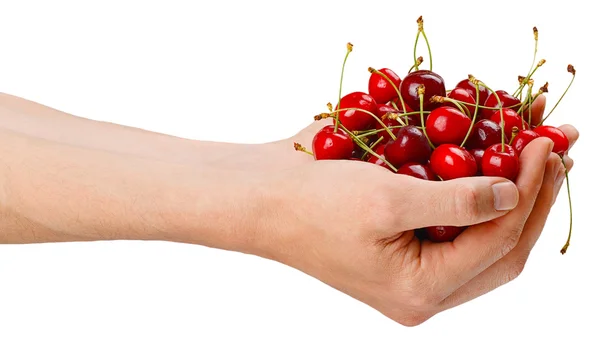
<point x="419" y="33"/>
<point x="421" y="91"/>
<point x="372" y="147"/>
<point x="564" y="248"/>
<point x="349" y="47"/>
<point x="299" y="147"/>
<point x="464" y="103"/>
<point x="363" y="111"/>
<point x="535" y="37"/>
<point x="476" y="83"/>
<point x="473" y="119"/>
<point x="459" y="104"/>
<point x="366" y="148"/>
<point x="515" y="132"/>
<point x="416" y="65"/>
<point x="360" y="134"/>
<point x="525" y="81"/>
<point x="571" y="70"/>
<point x="373" y="70"/>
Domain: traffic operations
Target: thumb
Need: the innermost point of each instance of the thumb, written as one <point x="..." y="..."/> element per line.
<point x="459" y="202"/>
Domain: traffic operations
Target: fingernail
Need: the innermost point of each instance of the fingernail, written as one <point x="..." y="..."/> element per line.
<point x="506" y="196"/>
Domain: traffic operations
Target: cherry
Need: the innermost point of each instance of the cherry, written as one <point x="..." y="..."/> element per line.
<point x="417" y="170"/>
<point x="467" y="85"/>
<point x="496" y="162"/>
<point x="380" y="88"/>
<point x="379" y="150"/>
<point x="382" y="111"/>
<point x="440" y="234"/>
<point x="461" y="94"/>
<point x="506" y="100"/>
<point x="330" y="145"/>
<point x="354" y="120"/>
<point x="523" y="138"/>
<point x="449" y="161"/>
<point x="561" y="142"/>
<point x="410" y="145"/>
<point x="484" y="134"/>
<point x="511" y="120"/>
<point x="433" y="83"/>
<point x="478" y="154"/>
<point x="447" y="125"/>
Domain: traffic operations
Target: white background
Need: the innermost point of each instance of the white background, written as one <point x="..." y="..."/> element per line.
<point x="256" y="71"/>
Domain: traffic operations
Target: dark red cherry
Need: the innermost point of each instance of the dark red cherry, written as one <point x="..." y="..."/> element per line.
<point x="523" y="138"/>
<point x="478" y="154"/>
<point x="434" y="85"/>
<point x="410" y="145"/>
<point x="447" y="125"/>
<point x="561" y="142"/>
<point x="470" y="88"/>
<point x="380" y="89"/>
<point x="484" y="134"/>
<point x="382" y="111"/>
<point x="450" y="161"/>
<point x="496" y="162"/>
<point x="379" y="150"/>
<point x="506" y="100"/>
<point x="440" y="234"/>
<point x="511" y="120"/>
<point x="461" y="94"/>
<point x="417" y="170"/>
<point x="330" y="145"/>
<point x="357" y="120"/>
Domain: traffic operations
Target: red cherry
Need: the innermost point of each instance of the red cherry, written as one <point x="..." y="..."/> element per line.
<point x="506" y="101"/>
<point x="356" y="120"/>
<point x="410" y="145"/>
<point x="417" y="170"/>
<point x="330" y="145"/>
<point x="440" y="234"/>
<point x="463" y="95"/>
<point x="478" y="154"/>
<point x="511" y="120"/>
<point x="470" y="88"/>
<point x="434" y="85"/>
<point x="380" y="89"/>
<point x="379" y="150"/>
<point x="447" y="125"/>
<point x="484" y="133"/>
<point x="523" y="138"/>
<point x="496" y="162"/>
<point x="450" y="161"/>
<point x="561" y="142"/>
<point x="382" y="110"/>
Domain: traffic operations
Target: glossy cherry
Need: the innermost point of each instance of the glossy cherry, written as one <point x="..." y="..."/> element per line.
<point x="478" y="154"/>
<point x="379" y="150"/>
<point x="561" y="142"/>
<point x="496" y="162"/>
<point x="330" y="145"/>
<point x="380" y="88"/>
<point x="463" y="95"/>
<point x="511" y="120"/>
<point x="357" y="120"/>
<point x="417" y="170"/>
<point x="441" y="234"/>
<point x="382" y="111"/>
<point x="506" y="100"/>
<point x="484" y="134"/>
<point x="523" y="138"/>
<point x="433" y="83"/>
<point x="410" y="145"/>
<point x="450" y="161"/>
<point x="447" y="125"/>
<point x="467" y="85"/>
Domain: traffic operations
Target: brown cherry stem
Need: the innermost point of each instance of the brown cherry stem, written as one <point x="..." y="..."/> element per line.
<point x="299" y="147"/>
<point x="416" y="65"/>
<point x="528" y="77"/>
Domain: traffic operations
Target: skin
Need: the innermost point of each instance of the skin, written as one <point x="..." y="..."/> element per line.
<point x="61" y="179"/>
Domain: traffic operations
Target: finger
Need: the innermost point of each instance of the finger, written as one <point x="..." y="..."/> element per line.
<point x="458" y="202"/>
<point x="509" y="267"/>
<point x="480" y="246"/>
<point x="571" y="132"/>
<point x="537" y="109"/>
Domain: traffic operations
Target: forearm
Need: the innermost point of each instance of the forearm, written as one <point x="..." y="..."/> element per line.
<point x="52" y="192"/>
<point x="40" y="121"/>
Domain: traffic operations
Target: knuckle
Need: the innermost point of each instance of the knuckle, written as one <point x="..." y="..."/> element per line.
<point x="510" y="241"/>
<point x="466" y="204"/>
<point x="515" y="269"/>
<point x="412" y="320"/>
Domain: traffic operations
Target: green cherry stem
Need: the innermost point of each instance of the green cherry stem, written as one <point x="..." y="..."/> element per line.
<point x="476" y="83"/>
<point x="299" y="147"/>
<point x="366" y="148"/>
<point x="420" y="32"/>
<point x="349" y="47"/>
<point x="571" y="70"/>
<point x="515" y="131"/>
<point x="528" y="77"/>
<point x="421" y="91"/>
<point x="568" y="242"/>
<point x="336" y="112"/>
<point x="416" y="65"/>
<point x="373" y="70"/>
<point x="459" y="104"/>
<point x="473" y="119"/>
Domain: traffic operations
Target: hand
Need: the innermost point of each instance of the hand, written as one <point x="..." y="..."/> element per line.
<point x="350" y="225"/>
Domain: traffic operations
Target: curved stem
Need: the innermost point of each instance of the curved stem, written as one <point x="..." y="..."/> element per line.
<point x="373" y="70"/>
<point x="348" y="51"/>
<point x="568" y="242"/>
<point x="415" y="50"/>
<point x="473" y="119"/>
<point x="572" y="70"/>
<point x="421" y="95"/>
<point x="369" y="113"/>
<point x="477" y="82"/>
<point x="366" y="148"/>
<point x="428" y="50"/>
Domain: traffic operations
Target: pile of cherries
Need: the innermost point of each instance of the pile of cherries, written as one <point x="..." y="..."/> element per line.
<point x="416" y="126"/>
